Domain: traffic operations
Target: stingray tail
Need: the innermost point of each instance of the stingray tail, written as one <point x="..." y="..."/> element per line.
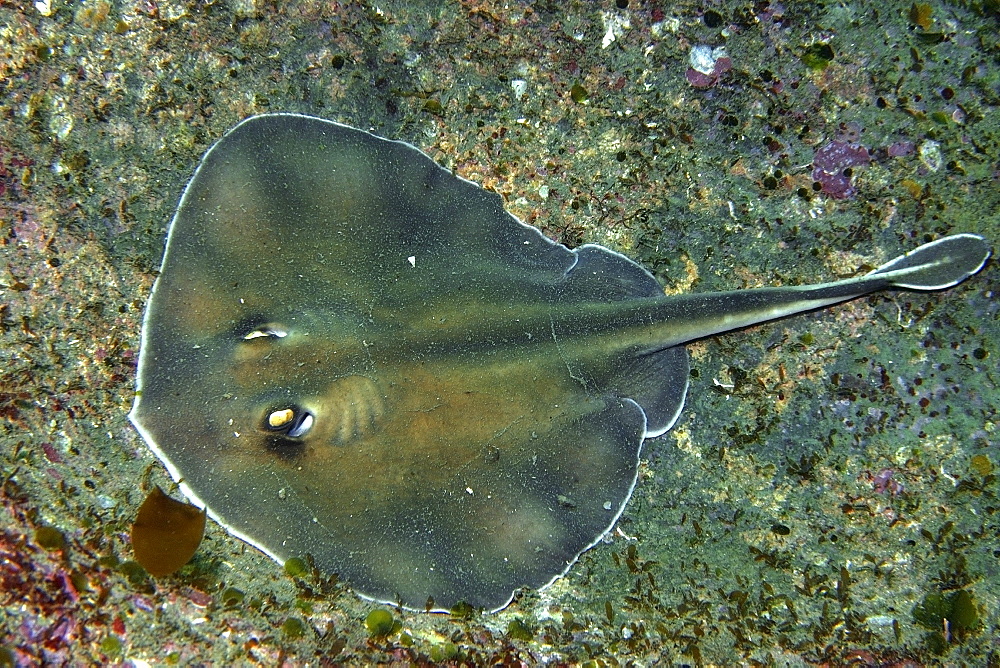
<point x="937" y="265"/>
<point x="934" y="266"/>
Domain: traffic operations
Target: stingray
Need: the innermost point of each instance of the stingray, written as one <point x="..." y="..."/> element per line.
<point x="353" y="354"/>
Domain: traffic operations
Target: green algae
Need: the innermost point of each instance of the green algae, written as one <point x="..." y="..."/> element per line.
<point x="293" y="628"/>
<point x="951" y="618"/>
<point x="981" y="464"/>
<point x="134" y="573"/>
<point x="519" y="630"/>
<point x="50" y="538"/>
<point x="380" y="623"/>
<point x="447" y="651"/>
<point x="231" y="597"/>
<point x="462" y="610"/>
<point x="111" y="646"/>
<point x="296" y="567"/>
<point x="817" y="56"/>
<point x="958" y="608"/>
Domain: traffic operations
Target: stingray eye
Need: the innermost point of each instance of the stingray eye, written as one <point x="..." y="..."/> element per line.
<point x="266" y="331"/>
<point x="292" y="422"/>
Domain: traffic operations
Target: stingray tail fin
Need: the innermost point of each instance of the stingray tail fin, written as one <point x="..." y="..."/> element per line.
<point x="937" y="265"/>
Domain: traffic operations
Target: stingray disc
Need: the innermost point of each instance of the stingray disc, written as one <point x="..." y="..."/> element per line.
<point x="352" y="353"/>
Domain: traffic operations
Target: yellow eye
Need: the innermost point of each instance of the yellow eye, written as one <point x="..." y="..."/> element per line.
<point x="280" y="418"/>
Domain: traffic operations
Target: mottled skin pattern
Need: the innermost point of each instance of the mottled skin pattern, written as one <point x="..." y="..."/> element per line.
<point x="353" y="354"/>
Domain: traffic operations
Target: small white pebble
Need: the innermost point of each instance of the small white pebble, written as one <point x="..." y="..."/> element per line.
<point x="930" y="155"/>
<point x="702" y="58"/>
